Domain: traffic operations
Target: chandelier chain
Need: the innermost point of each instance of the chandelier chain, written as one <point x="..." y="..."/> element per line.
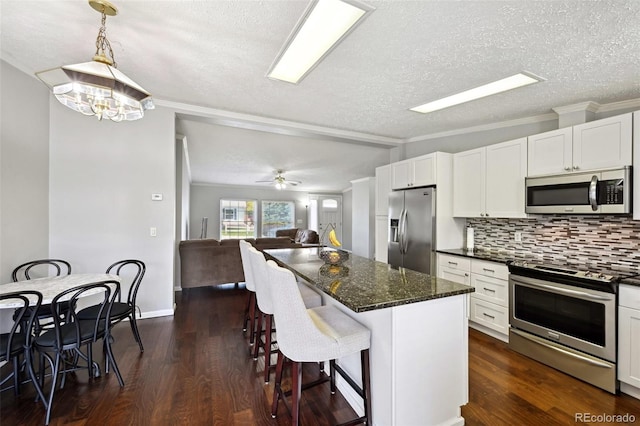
<point x="102" y="43"/>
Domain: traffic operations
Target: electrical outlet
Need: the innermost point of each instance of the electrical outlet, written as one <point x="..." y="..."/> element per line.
<point x="518" y="236"/>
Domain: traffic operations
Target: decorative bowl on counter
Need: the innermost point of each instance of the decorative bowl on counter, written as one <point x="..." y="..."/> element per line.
<point x="333" y="257"/>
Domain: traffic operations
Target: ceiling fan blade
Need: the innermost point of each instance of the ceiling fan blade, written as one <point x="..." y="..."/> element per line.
<point x="265" y="181"/>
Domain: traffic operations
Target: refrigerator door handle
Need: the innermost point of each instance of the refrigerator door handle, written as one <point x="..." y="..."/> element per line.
<point x="400" y="239"/>
<point x="405" y="241"/>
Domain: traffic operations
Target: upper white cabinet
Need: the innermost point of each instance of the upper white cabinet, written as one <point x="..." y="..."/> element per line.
<point x="418" y="171"/>
<point x="489" y="181"/>
<point x="383" y="188"/>
<point x="550" y="152"/>
<point x="600" y="144"/>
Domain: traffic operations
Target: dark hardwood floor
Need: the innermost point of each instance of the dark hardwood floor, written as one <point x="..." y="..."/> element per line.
<point x="196" y="371"/>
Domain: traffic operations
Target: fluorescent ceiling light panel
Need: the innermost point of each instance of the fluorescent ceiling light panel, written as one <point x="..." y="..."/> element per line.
<point x="513" y="82"/>
<point x="323" y="25"/>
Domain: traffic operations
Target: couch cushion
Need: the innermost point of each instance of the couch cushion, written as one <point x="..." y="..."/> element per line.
<point x="291" y="233"/>
<point x="307" y="236"/>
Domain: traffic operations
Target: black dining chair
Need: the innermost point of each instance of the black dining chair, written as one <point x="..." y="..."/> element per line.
<point x="39" y="269"/>
<point x="17" y="342"/>
<point x="123" y="310"/>
<point x="62" y="346"/>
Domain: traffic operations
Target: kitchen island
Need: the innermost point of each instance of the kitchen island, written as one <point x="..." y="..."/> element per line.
<point x="419" y="340"/>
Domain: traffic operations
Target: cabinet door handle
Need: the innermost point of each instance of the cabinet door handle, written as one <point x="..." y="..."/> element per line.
<point x="488" y="316"/>
<point x="568" y="169"/>
<point x="452" y="263"/>
<point x="488" y="289"/>
<point x="575" y="167"/>
<point x="489" y="270"/>
<point x="466" y="275"/>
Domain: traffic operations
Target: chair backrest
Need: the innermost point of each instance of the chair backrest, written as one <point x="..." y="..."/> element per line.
<point x="246" y="265"/>
<point x="129" y="267"/>
<point x="101" y="289"/>
<point x="260" y="279"/>
<point x="42" y="265"/>
<point x="23" y="318"/>
<point x="298" y="336"/>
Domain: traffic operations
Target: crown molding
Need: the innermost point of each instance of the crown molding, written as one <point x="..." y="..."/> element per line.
<point x="273" y="125"/>
<point x="485" y="127"/>
<point x="621" y="105"/>
<point x="588" y="106"/>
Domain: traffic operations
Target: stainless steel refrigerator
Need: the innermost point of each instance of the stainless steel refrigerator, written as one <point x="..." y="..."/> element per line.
<point x="412" y="229"/>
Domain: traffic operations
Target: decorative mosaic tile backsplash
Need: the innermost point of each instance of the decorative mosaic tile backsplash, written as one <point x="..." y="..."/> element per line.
<point x="598" y="241"/>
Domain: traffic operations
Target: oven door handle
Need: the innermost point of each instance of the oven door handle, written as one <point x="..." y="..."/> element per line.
<point x="593" y="193"/>
<point x="565" y="290"/>
<point x="564" y="351"/>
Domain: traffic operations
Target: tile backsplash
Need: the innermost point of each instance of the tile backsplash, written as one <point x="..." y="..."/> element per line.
<point x="599" y="241"/>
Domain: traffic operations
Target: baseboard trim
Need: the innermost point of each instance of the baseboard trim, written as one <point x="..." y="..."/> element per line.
<point x="156" y="314"/>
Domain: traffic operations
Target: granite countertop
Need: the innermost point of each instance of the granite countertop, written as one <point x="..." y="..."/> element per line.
<point x="362" y="284"/>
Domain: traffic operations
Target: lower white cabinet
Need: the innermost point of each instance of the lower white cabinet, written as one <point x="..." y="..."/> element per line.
<point x="488" y="305"/>
<point x="629" y="335"/>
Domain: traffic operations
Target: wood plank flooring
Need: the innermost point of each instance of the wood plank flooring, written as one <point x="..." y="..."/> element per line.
<point x="196" y="371"/>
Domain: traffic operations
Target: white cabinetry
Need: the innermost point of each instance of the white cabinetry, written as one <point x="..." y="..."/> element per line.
<point x="489" y="304"/>
<point x="419" y="171"/>
<point x="489" y="181"/>
<point x="600" y="144"/>
<point x="629" y="337"/>
<point x="383" y="187"/>
<point x="382" y="233"/>
<point x="550" y="152"/>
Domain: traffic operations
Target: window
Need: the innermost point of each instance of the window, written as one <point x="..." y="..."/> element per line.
<point x="237" y="219"/>
<point x="277" y="215"/>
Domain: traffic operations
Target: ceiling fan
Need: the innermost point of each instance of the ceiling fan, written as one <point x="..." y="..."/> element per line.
<point x="279" y="181"/>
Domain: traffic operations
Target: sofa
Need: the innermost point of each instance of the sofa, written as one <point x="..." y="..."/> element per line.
<point x="302" y="236"/>
<point x="211" y="262"/>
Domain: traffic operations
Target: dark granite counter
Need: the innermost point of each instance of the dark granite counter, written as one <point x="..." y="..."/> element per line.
<point x="362" y="284"/>
<point x="490" y="255"/>
<point x="634" y="281"/>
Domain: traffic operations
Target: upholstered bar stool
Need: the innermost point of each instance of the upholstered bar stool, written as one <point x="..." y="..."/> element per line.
<point x="314" y="335"/>
<point x="265" y="306"/>
<point x="250" y="311"/>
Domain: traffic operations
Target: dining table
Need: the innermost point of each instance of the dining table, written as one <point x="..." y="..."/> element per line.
<point x="50" y="287"/>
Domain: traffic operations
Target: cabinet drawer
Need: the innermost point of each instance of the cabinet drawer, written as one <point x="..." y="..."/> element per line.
<point x="455" y="275"/>
<point x="629" y="296"/>
<point x="490" y="269"/>
<point x="491" y="289"/>
<point x="489" y="314"/>
<point x="454" y="262"/>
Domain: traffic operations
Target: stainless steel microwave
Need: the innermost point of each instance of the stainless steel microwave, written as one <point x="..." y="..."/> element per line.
<point x="596" y="192"/>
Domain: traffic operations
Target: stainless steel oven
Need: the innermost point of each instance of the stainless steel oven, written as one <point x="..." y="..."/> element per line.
<point x="566" y="319"/>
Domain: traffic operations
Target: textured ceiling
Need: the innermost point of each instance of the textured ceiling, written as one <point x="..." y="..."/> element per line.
<point x="215" y="54"/>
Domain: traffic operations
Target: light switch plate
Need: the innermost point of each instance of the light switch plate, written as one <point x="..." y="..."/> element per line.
<point x="156" y="197"/>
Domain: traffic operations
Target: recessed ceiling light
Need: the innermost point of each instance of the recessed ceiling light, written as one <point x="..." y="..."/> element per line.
<point x="513" y="82"/>
<point x="323" y="25"/>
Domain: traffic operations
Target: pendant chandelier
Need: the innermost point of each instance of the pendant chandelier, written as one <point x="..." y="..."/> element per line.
<point x="97" y="87"/>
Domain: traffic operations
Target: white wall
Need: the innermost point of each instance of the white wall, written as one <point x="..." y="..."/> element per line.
<point x="102" y="175"/>
<point x="24" y="170"/>
<point x="205" y="202"/>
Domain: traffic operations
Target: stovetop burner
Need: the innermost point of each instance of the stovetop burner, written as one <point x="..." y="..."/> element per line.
<point x="583" y="277"/>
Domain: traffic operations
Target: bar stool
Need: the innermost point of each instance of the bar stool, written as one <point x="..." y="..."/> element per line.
<point x="250" y="311"/>
<point x="265" y="306"/>
<point x="314" y="335"/>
